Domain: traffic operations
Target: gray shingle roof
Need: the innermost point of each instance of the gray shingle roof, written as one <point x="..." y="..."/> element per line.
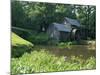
<point x="61" y="27"/>
<point x="73" y="21"/>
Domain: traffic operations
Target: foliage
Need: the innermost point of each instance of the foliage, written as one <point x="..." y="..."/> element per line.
<point x="87" y="17"/>
<point x="40" y="38"/>
<point x="36" y="15"/>
<point x="19" y="45"/>
<point x="67" y="44"/>
<point x="43" y="61"/>
<point x="52" y="42"/>
<point x="18" y="16"/>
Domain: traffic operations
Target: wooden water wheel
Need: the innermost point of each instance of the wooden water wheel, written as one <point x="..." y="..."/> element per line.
<point x="75" y="34"/>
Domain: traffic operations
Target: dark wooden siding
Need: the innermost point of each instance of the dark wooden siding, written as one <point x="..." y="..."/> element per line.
<point x="64" y="36"/>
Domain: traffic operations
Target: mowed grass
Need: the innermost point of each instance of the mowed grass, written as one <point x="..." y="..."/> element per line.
<point x="43" y="61"/>
<point x="16" y="40"/>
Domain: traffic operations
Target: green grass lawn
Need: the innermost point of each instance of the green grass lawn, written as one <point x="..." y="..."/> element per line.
<point x="16" y="40"/>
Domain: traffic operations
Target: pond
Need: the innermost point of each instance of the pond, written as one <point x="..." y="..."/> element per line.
<point x="82" y="51"/>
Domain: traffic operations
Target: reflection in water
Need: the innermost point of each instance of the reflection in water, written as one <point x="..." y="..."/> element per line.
<point x="82" y="51"/>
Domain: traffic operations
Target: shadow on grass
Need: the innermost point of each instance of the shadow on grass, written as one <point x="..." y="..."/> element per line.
<point x="19" y="50"/>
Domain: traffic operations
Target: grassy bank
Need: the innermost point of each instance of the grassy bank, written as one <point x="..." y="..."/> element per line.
<point x="19" y="45"/>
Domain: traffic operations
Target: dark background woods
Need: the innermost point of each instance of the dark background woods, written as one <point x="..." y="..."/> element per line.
<point x="32" y="17"/>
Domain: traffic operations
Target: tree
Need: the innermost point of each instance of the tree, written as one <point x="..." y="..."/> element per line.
<point x="37" y="15"/>
<point x="18" y="16"/>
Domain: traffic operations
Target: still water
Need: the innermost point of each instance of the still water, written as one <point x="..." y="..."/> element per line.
<point x="83" y="51"/>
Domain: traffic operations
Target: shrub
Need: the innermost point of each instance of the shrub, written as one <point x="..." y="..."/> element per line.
<point x="40" y="38"/>
<point x="66" y="44"/>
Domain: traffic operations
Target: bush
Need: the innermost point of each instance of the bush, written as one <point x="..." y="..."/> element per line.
<point x="41" y="38"/>
<point x="19" y="45"/>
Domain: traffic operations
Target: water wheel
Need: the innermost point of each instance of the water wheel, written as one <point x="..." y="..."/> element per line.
<point x="75" y="34"/>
